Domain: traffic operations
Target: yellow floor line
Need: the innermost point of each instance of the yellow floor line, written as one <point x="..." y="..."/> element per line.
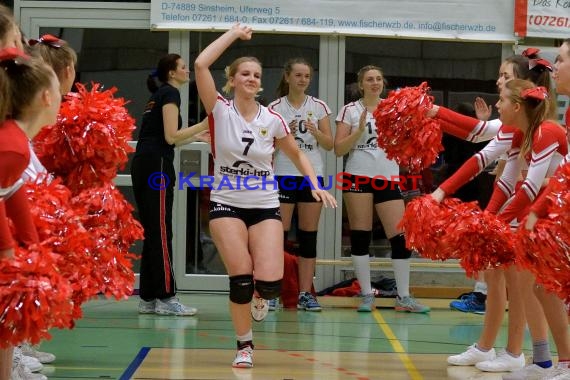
<point x="397" y="346"/>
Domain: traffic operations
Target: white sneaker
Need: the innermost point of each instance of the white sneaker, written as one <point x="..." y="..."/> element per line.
<point x="244" y="358"/>
<point x="21" y="372"/>
<point x="504" y="362"/>
<point x="472" y="356"/>
<point x="529" y="372"/>
<point x="558" y="374"/>
<point x="29" y="362"/>
<point x="259" y="308"/>
<point x="43" y="357"/>
<point x="172" y="306"/>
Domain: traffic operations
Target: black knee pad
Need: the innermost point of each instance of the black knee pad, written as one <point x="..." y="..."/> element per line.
<point x="241" y="288"/>
<point x="399" y="250"/>
<point x="360" y="242"/>
<point x="307" y="244"/>
<point x="268" y="289"/>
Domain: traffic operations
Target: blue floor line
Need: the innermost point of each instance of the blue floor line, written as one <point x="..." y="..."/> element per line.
<point x="135" y="364"/>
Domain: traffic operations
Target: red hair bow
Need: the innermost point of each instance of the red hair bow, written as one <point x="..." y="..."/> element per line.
<point x="538" y="93"/>
<point x="539" y="62"/>
<point x="530" y="52"/>
<point x="49" y="40"/>
<point x="11" y="54"/>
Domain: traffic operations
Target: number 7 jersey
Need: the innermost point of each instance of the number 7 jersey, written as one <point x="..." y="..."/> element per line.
<point x="243" y="155"/>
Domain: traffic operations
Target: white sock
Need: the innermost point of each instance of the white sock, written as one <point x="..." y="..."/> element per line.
<point x="480" y="287"/>
<point x="362" y="271"/>
<point x="402" y="276"/>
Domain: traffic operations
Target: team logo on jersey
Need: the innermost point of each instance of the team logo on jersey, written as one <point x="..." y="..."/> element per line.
<point x="264" y="131"/>
<point x="243" y="168"/>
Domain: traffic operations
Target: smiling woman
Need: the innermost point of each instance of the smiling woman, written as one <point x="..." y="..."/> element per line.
<point x="246" y="224"/>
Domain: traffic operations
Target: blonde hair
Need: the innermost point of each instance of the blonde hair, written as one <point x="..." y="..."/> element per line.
<point x="25" y="78"/>
<point x="59" y="58"/>
<point x="536" y="110"/>
<point x="231" y="70"/>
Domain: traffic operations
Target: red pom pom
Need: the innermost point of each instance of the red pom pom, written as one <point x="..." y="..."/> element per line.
<point x="34" y="296"/>
<point x="60" y="231"/>
<point x="545" y="252"/>
<point x="559" y="196"/>
<point x="108" y="217"/>
<point x="479" y="238"/>
<point x="89" y="141"/>
<point x="404" y="133"/>
<point x="424" y="224"/>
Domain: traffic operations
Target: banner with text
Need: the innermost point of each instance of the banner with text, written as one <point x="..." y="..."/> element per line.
<point x="443" y="19"/>
<point x="542" y="18"/>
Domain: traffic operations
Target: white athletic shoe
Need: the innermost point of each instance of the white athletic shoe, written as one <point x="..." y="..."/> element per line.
<point x="32" y="364"/>
<point x="472" y="356"/>
<point x="244" y="358"/>
<point x="43" y="357"/>
<point x="259" y="308"/>
<point x="529" y="372"/>
<point x="504" y="362"/>
<point x="21" y="372"/>
<point x="172" y="306"/>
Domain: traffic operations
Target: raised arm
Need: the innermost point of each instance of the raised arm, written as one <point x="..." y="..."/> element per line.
<point x="204" y="80"/>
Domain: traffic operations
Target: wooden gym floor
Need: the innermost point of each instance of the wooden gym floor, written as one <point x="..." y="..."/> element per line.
<point x="113" y="341"/>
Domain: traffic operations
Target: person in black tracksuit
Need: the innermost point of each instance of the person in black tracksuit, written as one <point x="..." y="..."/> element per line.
<point x="153" y="177"/>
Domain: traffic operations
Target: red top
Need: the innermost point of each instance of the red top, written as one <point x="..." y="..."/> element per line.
<point x="14" y="158"/>
<point x="466" y="127"/>
<point x="480" y="160"/>
<point x="15" y="153"/>
<point x="548" y="148"/>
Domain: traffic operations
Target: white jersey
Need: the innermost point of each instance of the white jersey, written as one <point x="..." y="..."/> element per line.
<point x="366" y="158"/>
<point x="313" y="109"/>
<point x="243" y="156"/>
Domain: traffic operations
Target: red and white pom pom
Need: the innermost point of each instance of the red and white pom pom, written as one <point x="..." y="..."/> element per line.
<point x="90" y="140"/>
<point x="108" y="218"/>
<point x="34" y="296"/>
<point x="404" y="133"/>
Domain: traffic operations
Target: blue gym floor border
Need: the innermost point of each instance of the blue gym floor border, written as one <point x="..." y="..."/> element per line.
<point x="135" y="364"/>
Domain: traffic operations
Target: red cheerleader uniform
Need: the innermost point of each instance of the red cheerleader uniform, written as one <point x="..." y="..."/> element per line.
<point x="14" y="158"/>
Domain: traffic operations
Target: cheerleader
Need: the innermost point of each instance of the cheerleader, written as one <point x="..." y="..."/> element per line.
<point x="553" y="306"/>
<point x="33" y="90"/>
<point x="541" y="144"/>
<point x="308" y="120"/>
<point x="538" y="71"/>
